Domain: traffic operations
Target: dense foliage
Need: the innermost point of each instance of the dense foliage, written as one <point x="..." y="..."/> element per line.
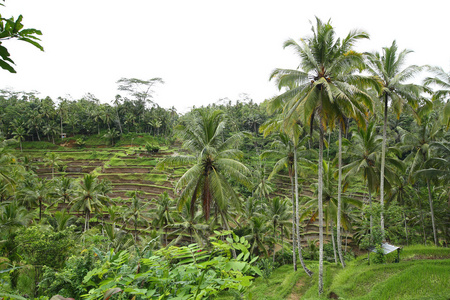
<point x="334" y="165"/>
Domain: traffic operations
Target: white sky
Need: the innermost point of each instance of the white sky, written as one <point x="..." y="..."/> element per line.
<point x="203" y="50"/>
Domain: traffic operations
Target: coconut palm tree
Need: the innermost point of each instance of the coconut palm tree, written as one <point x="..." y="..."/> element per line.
<point x="37" y="193"/>
<point x="53" y="160"/>
<point x="89" y="198"/>
<point x="63" y="189"/>
<point x="163" y="215"/>
<point x="325" y="82"/>
<point x="417" y="144"/>
<point x="136" y="212"/>
<point x="330" y="202"/>
<point x="364" y="154"/>
<point x="389" y="68"/>
<point x="277" y="211"/>
<point x="19" y="134"/>
<point x="442" y="80"/>
<point x="214" y="160"/>
<point x="190" y="223"/>
<point x="289" y="148"/>
<point x="60" y="220"/>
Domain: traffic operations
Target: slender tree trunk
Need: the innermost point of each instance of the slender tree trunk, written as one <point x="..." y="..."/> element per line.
<point x="294" y="222"/>
<point x="40" y="209"/>
<point x="423" y="224"/>
<point x="339" y="208"/>
<point x="371" y="217"/>
<point x="299" y="246"/>
<point x="37" y="133"/>
<point x="383" y="158"/>
<point x="118" y="119"/>
<point x="430" y="200"/>
<point x="274" y="239"/>
<point x="406" y="228"/>
<point x="334" y="244"/>
<point x="282" y="237"/>
<point x="320" y="204"/>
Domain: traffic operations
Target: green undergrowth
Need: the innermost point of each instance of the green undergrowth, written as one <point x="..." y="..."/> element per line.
<point x="282" y="282"/>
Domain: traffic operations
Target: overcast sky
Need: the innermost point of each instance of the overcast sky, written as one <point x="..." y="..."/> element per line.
<point x="203" y="50"/>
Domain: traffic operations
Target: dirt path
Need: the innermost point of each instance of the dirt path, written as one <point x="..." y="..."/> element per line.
<point x="295" y="294"/>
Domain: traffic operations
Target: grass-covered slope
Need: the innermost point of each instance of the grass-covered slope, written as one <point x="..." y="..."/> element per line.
<point x="423" y="273"/>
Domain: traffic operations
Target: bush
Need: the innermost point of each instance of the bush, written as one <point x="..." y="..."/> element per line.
<point x="152" y="148"/>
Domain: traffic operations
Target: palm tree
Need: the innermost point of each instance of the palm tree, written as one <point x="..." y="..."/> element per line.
<point x="277" y="210"/>
<point x="13" y="216"/>
<point x="323" y="86"/>
<point x="61" y="220"/>
<point x="289" y="148"/>
<point x="162" y="217"/>
<point x="214" y="162"/>
<point x="52" y="159"/>
<point x="36" y="193"/>
<point x="364" y="153"/>
<point x="441" y="79"/>
<point x="418" y="145"/>
<point x="136" y="212"/>
<point x="89" y="198"/>
<point x="388" y="67"/>
<point x="63" y="189"/>
<point x="19" y="134"/>
<point x="331" y="214"/>
<point x="191" y="223"/>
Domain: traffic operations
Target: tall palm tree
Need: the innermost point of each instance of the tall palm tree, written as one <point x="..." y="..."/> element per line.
<point x="418" y="145"/>
<point x="214" y="160"/>
<point x="364" y="154"/>
<point x="325" y="81"/>
<point x="289" y="148"/>
<point x="388" y="67"/>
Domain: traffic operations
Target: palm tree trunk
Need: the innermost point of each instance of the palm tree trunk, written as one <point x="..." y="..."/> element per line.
<point x="430" y="200"/>
<point x="334" y="244"/>
<point x="383" y="158"/>
<point x="274" y="243"/>
<point x="297" y="221"/>
<point x="339" y="211"/>
<point x="320" y="204"/>
<point x="294" y="221"/>
<point x="406" y="228"/>
<point x="371" y="217"/>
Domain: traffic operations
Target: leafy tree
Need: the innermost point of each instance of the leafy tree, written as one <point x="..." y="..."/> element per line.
<point x="40" y="246"/>
<point x="14" y="29"/>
